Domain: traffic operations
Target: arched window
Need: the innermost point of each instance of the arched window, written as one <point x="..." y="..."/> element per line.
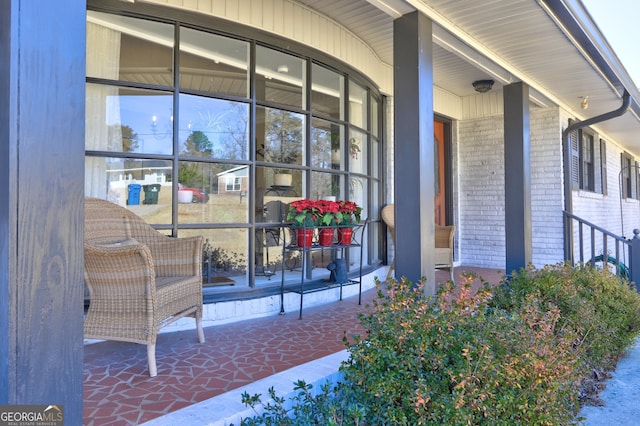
<point x="225" y="126"/>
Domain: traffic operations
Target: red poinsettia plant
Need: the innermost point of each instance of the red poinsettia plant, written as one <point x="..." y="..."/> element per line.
<point x="348" y="213"/>
<point x="309" y="213"/>
<point x="328" y="211"/>
<point x="303" y="213"/>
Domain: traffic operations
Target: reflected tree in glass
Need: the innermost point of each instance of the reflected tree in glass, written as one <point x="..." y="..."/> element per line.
<point x="234" y="140"/>
<point x="325" y="144"/>
<point x="196" y="145"/>
<point x="283" y="137"/>
<point x="224" y="123"/>
<point x="130" y="139"/>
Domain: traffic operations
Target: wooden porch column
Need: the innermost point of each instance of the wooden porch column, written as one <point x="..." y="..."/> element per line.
<point x="414" y="180"/>
<point x="517" y="171"/>
<point x="42" y="98"/>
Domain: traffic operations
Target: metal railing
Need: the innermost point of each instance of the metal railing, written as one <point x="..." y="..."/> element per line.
<point x="599" y="247"/>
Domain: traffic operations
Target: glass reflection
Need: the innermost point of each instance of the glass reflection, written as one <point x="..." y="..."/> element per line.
<point x="279" y="136"/>
<point x="358" y="98"/>
<point x="128" y="120"/>
<point x="129" y="49"/>
<point x="327" y="92"/>
<point x="375" y="119"/>
<point x="213" y="128"/>
<point x="327" y="186"/>
<point x="212" y="193"/>
<point x="224" y="257"/>
<point x="375" y="199"/>
<point x="374" y="247"/>
<point x="357" y="151"/>
<point x="280" y="78"/>
<point x="269" y="241"/>
<point x="358" y="194"/>
<point x="212" y="63"/>
<point x="326" y="144"/>
<point x="142" y="185"/>
<point x="285" y="185"/>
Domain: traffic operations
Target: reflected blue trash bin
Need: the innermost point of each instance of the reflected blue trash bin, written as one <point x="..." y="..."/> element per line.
<point x="133" y="198"/>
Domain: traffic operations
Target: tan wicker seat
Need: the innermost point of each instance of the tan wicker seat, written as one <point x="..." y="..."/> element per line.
<point x="443" y="253"/>
<point x="139" y="279"/>
<point x="388" y="217"/>
<point x="444" y="248"/>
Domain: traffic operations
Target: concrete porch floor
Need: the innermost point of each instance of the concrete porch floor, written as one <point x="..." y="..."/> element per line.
<point x="118" y="391"/>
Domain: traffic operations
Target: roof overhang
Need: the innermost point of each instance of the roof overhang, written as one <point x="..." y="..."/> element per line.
<point x="554" y="46"/>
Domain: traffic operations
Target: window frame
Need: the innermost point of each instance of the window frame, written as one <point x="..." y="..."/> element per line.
<point x="193" y="21"/>
<point x="588" y="172"/>
<point x="587" y="161"/>
<point x="630" y="178"/>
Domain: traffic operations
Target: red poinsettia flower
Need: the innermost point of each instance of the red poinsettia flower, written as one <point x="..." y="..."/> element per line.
<point x="309" y="213"/>
<point x="303" y="213"/>
<point x="327" y="210"/>
<point x="348" y="213"/>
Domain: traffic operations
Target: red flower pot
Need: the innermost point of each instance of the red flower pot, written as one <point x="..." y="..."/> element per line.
<point x="325" y="236"/>
<point x="344" y="236"/>
<point x="304" y="237"/>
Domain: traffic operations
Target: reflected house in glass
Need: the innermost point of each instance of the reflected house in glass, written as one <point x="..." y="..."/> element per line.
<point x="234" y="181"/>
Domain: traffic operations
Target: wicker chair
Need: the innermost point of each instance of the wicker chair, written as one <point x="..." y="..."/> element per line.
<point x="444" y="248"/>
<point x="139" y="279"/>
<point x="388" y="217"/>
<point x="443" y="252"/>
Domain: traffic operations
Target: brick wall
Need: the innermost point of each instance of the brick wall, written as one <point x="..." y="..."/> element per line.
<point x="481" y="197"/>
<point x="605" y="210"/>
<point x="546" y="187"/>
<point x="481" y="192"/>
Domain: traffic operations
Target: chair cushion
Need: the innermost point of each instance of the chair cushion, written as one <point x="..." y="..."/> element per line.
<point x="442" y="256"/>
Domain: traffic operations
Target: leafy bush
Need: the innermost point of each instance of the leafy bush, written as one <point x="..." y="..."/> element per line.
<point x="602" y="309"/>
<point x="331" y="407"/>
<point x="453" y="361"/>
<point x="511" y="355"/>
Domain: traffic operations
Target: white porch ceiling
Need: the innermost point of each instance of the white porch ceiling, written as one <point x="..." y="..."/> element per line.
<point x="517" y="40"/>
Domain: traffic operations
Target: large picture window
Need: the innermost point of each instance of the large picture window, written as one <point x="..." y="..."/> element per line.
<point x="204" y="133"/>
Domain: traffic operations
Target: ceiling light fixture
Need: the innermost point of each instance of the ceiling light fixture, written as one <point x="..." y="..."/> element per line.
<point x="584" y="104"/>
<point x="482" y="86"/>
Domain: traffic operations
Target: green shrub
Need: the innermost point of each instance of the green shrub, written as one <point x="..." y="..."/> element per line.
<point x="511" y="355"/>
<point x="603" y="310"/>
<point x="453" y="361"/>
<point x="331" y="407"/>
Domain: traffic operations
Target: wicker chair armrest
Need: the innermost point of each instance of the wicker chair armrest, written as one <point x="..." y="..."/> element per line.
<point x="117" y="249"/>
<point x="174" y="257"/>
<point x="119" y="269"/>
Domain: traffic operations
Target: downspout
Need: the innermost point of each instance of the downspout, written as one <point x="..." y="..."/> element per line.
<point x="568" y="165"/>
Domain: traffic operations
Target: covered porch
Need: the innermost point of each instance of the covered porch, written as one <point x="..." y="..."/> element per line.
<point x="118" y="390"/>
<point x="505" y="205"/>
